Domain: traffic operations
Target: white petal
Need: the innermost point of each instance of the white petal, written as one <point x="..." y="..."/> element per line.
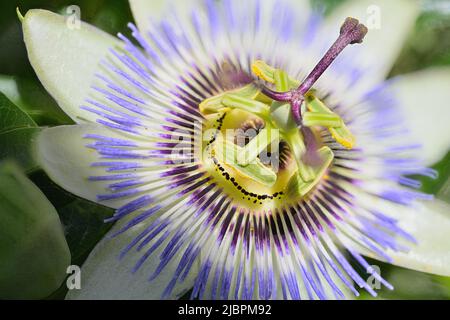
<point x="424" y="100"/>
<point x="104" y="276"/>
<point x="62" y="153"/>
<point x="147" y="12"/>
<point x="429" y="224"/>
<point x="389" y="24"/>
<point x="65" y="57"/>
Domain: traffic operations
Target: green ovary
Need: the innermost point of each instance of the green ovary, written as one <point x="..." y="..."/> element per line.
<point x="256" y="171"/>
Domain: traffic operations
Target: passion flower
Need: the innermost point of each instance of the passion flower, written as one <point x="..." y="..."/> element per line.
<point x="237" y="166"/>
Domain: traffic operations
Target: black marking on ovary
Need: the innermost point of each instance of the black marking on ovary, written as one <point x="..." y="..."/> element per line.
<point x="250" y="196"/>
<point x="218" y="127"/>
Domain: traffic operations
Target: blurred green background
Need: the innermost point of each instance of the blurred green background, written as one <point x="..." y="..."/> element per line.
<point x="428" y="45"/>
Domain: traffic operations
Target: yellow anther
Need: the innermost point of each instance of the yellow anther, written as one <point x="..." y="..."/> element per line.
<point x="343" y="136"/>
<point x="268" y="73"/>
<point x="263" y="70"/>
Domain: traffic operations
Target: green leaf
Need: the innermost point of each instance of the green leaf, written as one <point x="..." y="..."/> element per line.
<point x="18" y="144"/>
<point x="12" y="117"/>
<point x="84" y="226"/>
<point x="83" y="220"/>
<point x="409" y="284"/>
<point x="17" y="133"/>
<point x="440" y="186"/>
<point x="33" y="251"/>
<point x="29" y="95"/>
<point x="428" y="44"/>
<point x="112" y="16"/>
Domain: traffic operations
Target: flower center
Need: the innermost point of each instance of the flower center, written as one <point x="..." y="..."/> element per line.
<point x="260" y="144"/>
